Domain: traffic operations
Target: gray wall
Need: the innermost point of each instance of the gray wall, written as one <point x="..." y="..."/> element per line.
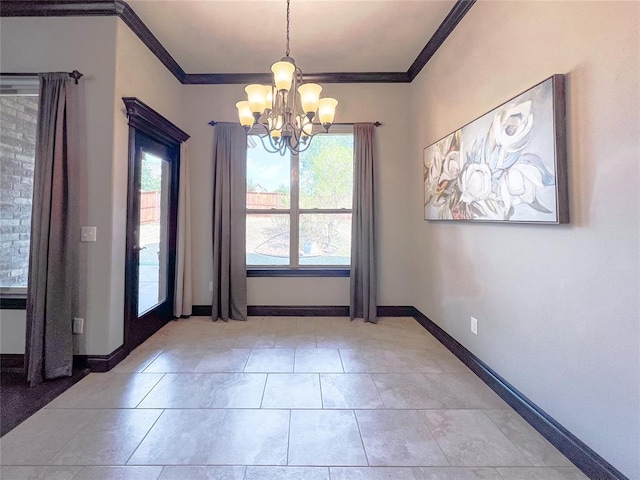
<point x="388" y="104"/>
<point x="557" y="306"/>
<point x="115" y="63"/>
<point x="51" y="45"/>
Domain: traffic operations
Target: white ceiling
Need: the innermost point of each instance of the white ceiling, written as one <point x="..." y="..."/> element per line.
<point x="327" y="36"/>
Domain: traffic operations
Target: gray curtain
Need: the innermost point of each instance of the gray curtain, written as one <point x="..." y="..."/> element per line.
<point x="53" y="258"/>
<point x="229" y="205"/>
<point x="363" y="252"/>
<point x="182" y="302"/>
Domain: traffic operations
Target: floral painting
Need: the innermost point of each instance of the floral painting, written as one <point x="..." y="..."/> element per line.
<point x="508" y="165"/>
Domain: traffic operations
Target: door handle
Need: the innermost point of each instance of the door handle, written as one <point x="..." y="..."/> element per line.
<point x="136" y="248"/>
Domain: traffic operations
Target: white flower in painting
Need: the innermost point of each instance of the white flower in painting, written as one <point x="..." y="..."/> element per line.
<point x="433" y="167"/>
<point x="475" y="182"/>
<point x="512" y="125"/>
<point x="445" y="144"/>
<point x="518" y="185"/>
<point x="451" y="166"/>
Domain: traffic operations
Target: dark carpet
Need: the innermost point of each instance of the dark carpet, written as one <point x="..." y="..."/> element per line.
<point x="18" y="401"/>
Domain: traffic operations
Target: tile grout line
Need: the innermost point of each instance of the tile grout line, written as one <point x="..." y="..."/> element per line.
<point x="373" y="380"/>
<point x="341" y="361"/>
<point x="289" y="437"/>
<point x="147" y="363"/>
<point x="246" y="360"/>
<point x="364" y="447"/>
<point x="264" y="389"/>
<point x="150" y="390"/>
<point x="126" y="463"/>
<point x="426" y="424"/>
<point x="164" y="467"/>
<point x="293" y="369"/>
<point x="320" y="386"/>
<point x="75" y="475"/>
<point x="517" y="447"/>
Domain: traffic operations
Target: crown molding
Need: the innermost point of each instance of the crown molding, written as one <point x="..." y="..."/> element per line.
<point x="81" y="8"/>
<point x="345" y="77"/>
<point x="137" y="26"/>
<point x="52" y="8"/>
<point x="447" y="26"/>
<point x="119" y="8"/>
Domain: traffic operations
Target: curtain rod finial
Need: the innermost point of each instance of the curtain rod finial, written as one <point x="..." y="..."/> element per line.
<point x="76" y="75"/>
<point x="213" y="123"/>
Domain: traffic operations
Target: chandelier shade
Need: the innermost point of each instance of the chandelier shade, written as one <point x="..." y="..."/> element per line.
<point x="244" y="112"/>
<point x="283" y="73"/>
<point x="282" y="113"/>
<point x="309" y="97"/>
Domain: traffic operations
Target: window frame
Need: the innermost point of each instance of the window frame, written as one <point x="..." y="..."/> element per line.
<point x="294" y="269"/>
<point x="15" y="298"/>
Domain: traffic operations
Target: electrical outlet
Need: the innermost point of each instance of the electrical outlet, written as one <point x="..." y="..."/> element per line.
<point x="78" y="326"/>
<point x="474" y="325"/>
<point x="211" y="286"/>
<point x="88" y="234"/>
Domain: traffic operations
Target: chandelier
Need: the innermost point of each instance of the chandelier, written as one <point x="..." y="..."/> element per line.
<point x="284" y="111"/>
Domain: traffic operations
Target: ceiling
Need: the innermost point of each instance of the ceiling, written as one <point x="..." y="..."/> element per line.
<point x="240" y="36"/>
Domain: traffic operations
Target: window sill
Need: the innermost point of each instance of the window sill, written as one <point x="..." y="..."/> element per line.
<point x="298" y="272"/>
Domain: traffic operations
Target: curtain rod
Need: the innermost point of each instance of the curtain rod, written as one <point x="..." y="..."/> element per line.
<point x="76" y="75"/>
<point x="375" y="124"/>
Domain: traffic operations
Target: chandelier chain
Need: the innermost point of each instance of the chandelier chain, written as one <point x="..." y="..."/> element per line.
<point x="287" y="49"/>
<point x="283" y="113"/>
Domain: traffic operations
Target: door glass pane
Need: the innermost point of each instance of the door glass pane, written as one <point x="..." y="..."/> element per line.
<point x="325" y="239"/>
<point x="268" y="239"/>
<point x="153" y="232"/>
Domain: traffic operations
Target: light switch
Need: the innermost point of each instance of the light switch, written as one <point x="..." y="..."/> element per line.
<point x="88" y="234"/>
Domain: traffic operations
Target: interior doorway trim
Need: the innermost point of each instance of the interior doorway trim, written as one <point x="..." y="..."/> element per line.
<point x="143" y="117"/>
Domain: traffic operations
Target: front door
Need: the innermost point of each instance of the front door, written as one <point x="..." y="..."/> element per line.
<point x="151" y="237"/>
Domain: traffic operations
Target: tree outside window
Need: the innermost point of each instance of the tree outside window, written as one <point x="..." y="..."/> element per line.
<point x="299" y="206"/>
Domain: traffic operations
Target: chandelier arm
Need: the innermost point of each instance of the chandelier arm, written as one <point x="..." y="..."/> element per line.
<point x="269" y="146"/>
<point x="306" y="147"/>
<point x="306" y="143"/>
<point x="277" y="145"/>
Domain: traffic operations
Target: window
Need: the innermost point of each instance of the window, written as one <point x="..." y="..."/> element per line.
<point x="299" y="206"/>
<point x="18" y="117"/>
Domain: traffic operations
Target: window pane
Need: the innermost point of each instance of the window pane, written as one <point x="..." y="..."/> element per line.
<point x="17" y="153"/>
<point x="268" y="177"/>
<point x="325" y="239"/>
<point x="326" y="172"/>
<point x="268" y="239"/>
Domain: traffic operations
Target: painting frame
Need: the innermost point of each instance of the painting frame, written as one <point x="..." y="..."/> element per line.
<point x="507" y="166"/>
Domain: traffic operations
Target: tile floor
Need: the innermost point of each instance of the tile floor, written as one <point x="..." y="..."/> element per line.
<point x="283" y="398"/>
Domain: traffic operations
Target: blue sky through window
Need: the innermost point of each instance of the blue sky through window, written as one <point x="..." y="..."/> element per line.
<point x="269" y="170"/>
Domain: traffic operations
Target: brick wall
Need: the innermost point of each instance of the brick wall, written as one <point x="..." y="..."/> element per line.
<point x="18" y="116"/>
